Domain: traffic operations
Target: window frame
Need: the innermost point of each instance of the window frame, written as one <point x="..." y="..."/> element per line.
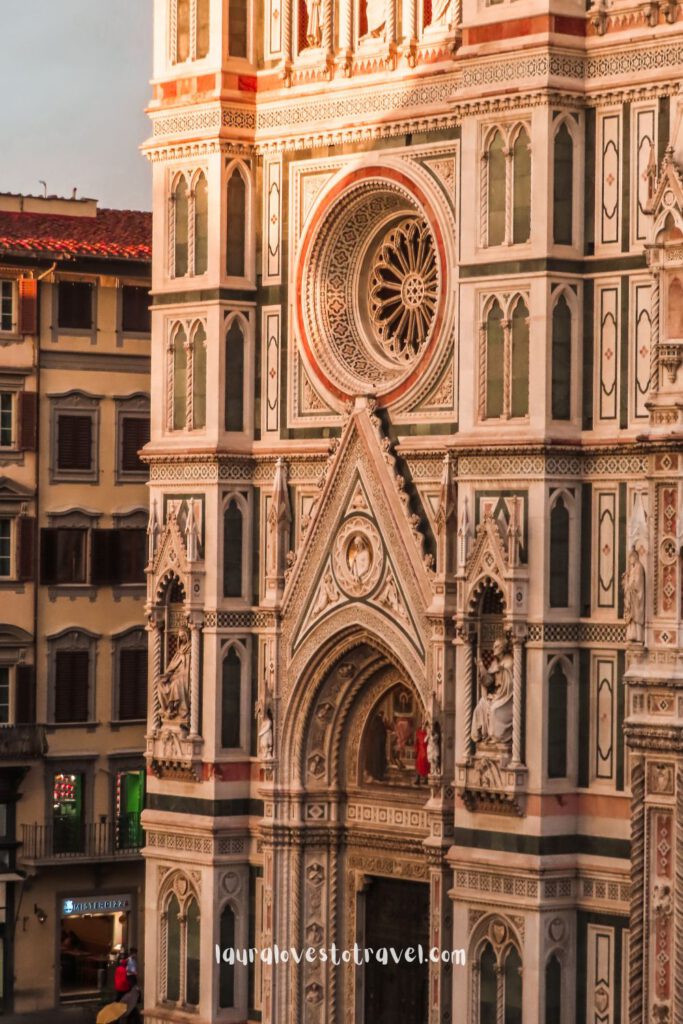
<point x="248" y="278"/>
<point x="11" y="393"/>
<point x="508" y="304"/>
<point x="134" y="406"/>
<point x="191" y="177"/>
<point x="76" y="332"/>
<point x="75" y="403"/>
<point x="244" y="501"/>
<point x="12" y="541"/>
<point x="192" y="56"/>
<point x="131" y="638"/>
<point x="509" y="131"/>
<point x="243" y="649"/>
<point x="13" y="331"/>
<point x="72" y="639"/>
<point x="122" y="331"/>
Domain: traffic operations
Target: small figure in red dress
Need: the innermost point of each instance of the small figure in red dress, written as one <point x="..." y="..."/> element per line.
<point x="421" y="759"/>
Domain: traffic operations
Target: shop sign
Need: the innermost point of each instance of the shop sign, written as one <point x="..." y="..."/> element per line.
<point x="73" y="905"/>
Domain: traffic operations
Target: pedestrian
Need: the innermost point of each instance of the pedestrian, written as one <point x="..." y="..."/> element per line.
<point x="121" y="982"/>
<point x="132" y="966"/>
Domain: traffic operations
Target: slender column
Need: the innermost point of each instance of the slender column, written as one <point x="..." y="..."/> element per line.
<point x="468" y="697"/>
<point x="500" y="995"/>
<point x="327" y="27"/>
<point x="655" y="300"/>
<point x="287" y="39"/>
<point x="391" y="22"/>
<point x="194" y="678"/>
<point x="156" y="674"/>
<point x="189" y="388"/>
<point x="509" y="172"/>
<point x="507" y="368"/>
<point x="517" y="702"/>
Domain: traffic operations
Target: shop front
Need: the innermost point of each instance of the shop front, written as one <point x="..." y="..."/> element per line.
<point x="93" y="930"/>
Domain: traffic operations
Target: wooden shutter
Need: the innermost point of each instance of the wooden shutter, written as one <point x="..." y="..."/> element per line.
<point x="25" y="698"/>
<point x="28" y="305"/>
<point x="26" y="547"/>
<point x="28" y="420"/>
<point x="48" y="555"/>
<point x="134" y="436"/>
<point x="74" y="441"/>
<point x="105" y="570"/>
<point x="71" y="686"/>
<point x="133" y="683"/>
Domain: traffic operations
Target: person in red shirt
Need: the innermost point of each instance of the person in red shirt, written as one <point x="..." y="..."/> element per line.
<point x="121" y="979"/>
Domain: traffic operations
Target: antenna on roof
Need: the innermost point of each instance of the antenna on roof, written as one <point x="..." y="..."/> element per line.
<point x="44" y="184"/>
<point x="73" y="194"/>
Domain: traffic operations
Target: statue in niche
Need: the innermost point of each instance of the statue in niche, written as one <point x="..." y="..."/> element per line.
<point x="492" y="718"/>
<point x="440" y="12"/>
<point x="265" y="736"/>
<point x="174" y="684"/>
<point x="633" y="583"/>
<point x="359" y="557"/>
<point x="434" y="748"/>
<point x="314" y="32"/>
<point x="376" y="17"/>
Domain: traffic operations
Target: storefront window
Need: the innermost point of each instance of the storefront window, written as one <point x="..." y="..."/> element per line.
<point x="94" y="927"/>
<point x="67" y="812"/>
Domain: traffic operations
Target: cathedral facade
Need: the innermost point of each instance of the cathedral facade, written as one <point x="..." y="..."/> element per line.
<point x="414" y="578"/>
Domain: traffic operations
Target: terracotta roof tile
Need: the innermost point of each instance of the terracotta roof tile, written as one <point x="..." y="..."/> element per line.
<point x="112" y="234"/>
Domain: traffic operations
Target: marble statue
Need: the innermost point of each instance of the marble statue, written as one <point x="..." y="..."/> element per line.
<point x="492" y="718"/>
<point x="174" y="684"/>
<point x="633" y="583"/>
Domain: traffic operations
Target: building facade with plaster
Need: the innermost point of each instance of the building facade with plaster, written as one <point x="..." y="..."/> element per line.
<point x="74" y="411"/>
<point x="414" y="578"/>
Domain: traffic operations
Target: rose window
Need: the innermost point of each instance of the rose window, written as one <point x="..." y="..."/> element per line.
<point x="372" y="291"/>
<point x="404" y="289"/>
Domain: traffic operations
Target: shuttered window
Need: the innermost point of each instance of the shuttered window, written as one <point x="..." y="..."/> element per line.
<point x="118" y="556"/>
<point x="25" y="700"/>
<point x="6" y="305"/>
<point x="63" y="555"/>
<point x="134" y="436"/>
<point x="26" y="547"/>
<point x="72" y="669"/>
<point x="28" y="420"/>
<point x="5" y="548"/>
<point x="75" y="305"/>
<point x="5" y="681"/>
<point x="74" y="442"/>
<point x="132" y="683"/>
<point x="135" y="315"/>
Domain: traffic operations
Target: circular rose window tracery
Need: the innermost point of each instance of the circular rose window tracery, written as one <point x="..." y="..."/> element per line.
<point x="371" y="293"/>
<point x="404" y="289"/>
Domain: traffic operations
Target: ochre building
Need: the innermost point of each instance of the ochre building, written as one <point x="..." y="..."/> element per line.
<point x="414" y="580"/>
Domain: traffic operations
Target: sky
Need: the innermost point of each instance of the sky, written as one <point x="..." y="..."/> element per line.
<point x="75" y="81"/>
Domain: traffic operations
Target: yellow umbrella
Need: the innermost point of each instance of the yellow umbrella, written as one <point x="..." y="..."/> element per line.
<point x="111" y="1012"/>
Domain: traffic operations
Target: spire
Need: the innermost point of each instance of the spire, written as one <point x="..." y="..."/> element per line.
<point x="279" y="522"/>
<point x="445" y="520"/>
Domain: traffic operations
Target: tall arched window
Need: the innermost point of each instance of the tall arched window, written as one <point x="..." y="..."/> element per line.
<point x="519" y="397"/>
<point x="226" y="978"/>
<point x="203" y="27"/>
<point x="561" y="360"/>
<point x="563" y="186"/>
<point x="231" y="703"/>
<point x="557" y="723"/>
<point x="172" y="942"/>
<point x="232" y="550"/>
<point x="488" y="986"/>
<point x="237" y="223"/>
<point x="201" y="226"/>
<point x="521" y="184"/>
<point x="234" y="377"/>
<point x="513" y="987"/>
<point x="182" y="48"/>
<point x="180" y="213"/>
<point x="496" y="190"/>
<point x="495" y="361"/>
<point x="237" y="28"/>
<point x="199" y="378"/>
<point x="559" y="555"/>
<point x="192" y="964"/>
<point x="553" y="991"/>
<point x="180" y="380"/>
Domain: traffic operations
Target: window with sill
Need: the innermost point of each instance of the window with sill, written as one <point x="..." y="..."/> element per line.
<point x="129" y="651"/>
<point x="71" y="676"/>
<point x="63" y="555"/>
<point x="129" y="800"/>
<point x="6" y="566"/>
<point x="135" y="313"/>
<point x="236" y="203"/>
<point x="119" y="556"/>
<point x="233" y="546"/>
<point x="68" y="812"/>
<point x="558" y="689"/>
<point x="561" y="360"/>
<point x="6" y="419"/>
<point x="7" y="307"/>
<point x="563" y="185"/>
<point x="18" y="420"/>
<point x="17" y="545"/>
<point x="75" y="305"/>
<point x="234" y="376"/>
<point x="234" y="663"/>
<point x="75" y="436"/>
<point x="179" y="942"/>
<point x="132" y="434"/>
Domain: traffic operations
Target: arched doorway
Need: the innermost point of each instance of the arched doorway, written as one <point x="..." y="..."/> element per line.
<point x="356" y="732"/>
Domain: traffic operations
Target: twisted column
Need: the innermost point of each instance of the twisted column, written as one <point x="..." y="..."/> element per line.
<point x="468" y="698"/>
<point x="509" y="172"/>
<point x="636" y="949"/>
<point x="655" y="301"/>
<point x="155" y="718"/>
<point x="189" y="388"/>
<point x="194" y="678"/>
<point x="517" y="702"/>
<point x="328" y="21"/>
